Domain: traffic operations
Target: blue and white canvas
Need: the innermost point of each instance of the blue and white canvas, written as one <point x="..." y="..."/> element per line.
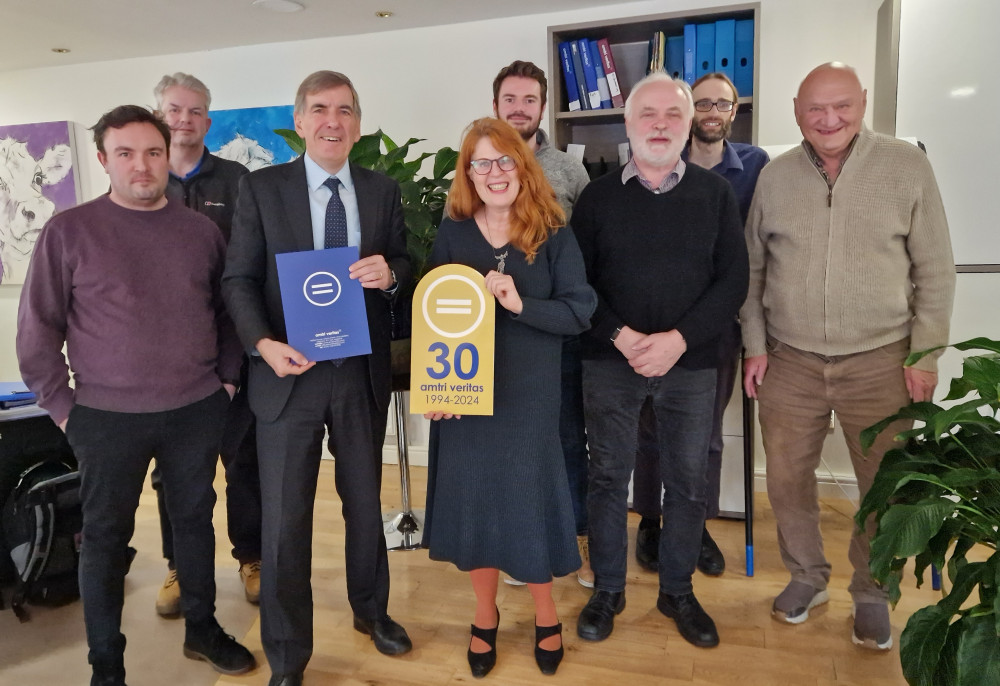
<point x="247" y="135"/>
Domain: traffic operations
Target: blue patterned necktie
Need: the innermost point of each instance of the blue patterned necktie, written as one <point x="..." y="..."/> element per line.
<point x="335" y="228"/>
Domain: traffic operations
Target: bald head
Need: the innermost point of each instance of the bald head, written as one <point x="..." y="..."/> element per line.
<point x="829" y="109"/>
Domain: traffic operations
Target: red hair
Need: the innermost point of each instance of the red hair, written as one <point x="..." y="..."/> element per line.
<point x="535" y="213"/>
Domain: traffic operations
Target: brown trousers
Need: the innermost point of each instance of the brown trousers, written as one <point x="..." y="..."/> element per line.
<point x="796" y="397"/>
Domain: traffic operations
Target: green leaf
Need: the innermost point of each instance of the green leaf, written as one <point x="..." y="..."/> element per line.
<point x="965" y="581"/>
<point x="978" y="656"/>
<point x="947" y="666"/>
<point x="904" y="531"/>
<point x="921" y="642"/>
<point x="293" y="139"/>
<point x="923" y="412"/>
<point x="444" y="162"/>
<point x="981" y="343"/>
<point x="995" y="560"/>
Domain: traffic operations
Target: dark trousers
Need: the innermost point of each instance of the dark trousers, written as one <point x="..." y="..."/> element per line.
<point x="239" y="458"/>
<point x="682" y="402"/>
<point x="338" y="399"/>
<point x="646" y="489"/>
<point x="114" y="450"/>
<point x="572" y="430"/>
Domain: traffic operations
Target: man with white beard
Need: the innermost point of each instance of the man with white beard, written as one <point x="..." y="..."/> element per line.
<point x="715" y="104"/>
<point x="663" y="245"/>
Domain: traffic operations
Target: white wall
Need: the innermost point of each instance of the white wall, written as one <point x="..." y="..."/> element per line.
<point x="429" y="83"/>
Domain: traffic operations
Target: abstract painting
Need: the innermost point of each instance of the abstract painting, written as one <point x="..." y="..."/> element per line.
<point x="247" y="135"/>
<point x="37" y="179"/>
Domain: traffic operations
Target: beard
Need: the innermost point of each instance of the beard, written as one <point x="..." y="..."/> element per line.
<point x="526" y="130"/>
<point x="643" y="151"/>
<point x="712" y="135"/>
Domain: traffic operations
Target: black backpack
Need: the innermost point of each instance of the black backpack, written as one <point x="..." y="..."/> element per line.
<point x="41" y="522"/>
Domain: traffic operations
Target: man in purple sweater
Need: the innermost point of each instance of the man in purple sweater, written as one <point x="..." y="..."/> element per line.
<point x="130" y="283"/>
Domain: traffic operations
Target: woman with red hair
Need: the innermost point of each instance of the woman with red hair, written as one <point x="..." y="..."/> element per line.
<point x="498" y="497"/>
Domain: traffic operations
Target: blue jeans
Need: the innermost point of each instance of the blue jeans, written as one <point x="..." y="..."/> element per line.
<point x="683" y="402"/>
<point x="113" y="450"/>
<point x="572" y="431"/>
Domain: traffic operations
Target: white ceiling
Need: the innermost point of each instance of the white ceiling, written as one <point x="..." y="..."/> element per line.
<point x="97" y="30"/>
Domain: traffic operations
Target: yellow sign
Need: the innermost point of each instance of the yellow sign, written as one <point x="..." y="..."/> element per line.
<point x="451" y="356"/>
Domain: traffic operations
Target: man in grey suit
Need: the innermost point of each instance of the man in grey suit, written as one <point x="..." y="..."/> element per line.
<point x="287" y="208"/>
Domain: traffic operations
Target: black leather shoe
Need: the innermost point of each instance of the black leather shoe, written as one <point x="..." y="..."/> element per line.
<point x="548" y="660"/>
<point x="693" y="622"/>
<point x="710" y="559"/>
<point x="597" y="618"/>
<point x="480" y="664"/>
<point x="210" y="643"/>
<point x="108" y="674"/>
<point x="647" y="548"/>
<point x="389" y="637"/>
<point x="285" y="680"/>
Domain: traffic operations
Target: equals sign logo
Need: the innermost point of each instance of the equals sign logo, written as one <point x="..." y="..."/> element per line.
<point x="453" y="306"/>
<point x="321" y="288"/>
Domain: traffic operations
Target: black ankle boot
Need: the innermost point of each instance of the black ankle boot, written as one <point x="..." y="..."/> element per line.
<point x="482" y="663"/>
<point x="548" y="660"/>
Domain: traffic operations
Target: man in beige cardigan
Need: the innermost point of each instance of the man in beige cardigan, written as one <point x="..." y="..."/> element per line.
<point x="850" y="270"/>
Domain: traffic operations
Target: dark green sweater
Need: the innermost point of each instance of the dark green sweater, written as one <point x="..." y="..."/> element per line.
<point x="676" y="260"/>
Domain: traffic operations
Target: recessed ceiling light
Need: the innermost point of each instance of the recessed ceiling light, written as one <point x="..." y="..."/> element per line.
<point x="61" y="51"/>
<point x="383" y="14"/>
<point x="963" y="92"/>
<point x="284" y="6"/>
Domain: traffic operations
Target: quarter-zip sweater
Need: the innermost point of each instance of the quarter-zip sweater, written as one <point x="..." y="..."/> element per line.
<point x="853" y="268"/>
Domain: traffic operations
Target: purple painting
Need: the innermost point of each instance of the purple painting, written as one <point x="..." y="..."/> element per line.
<point x="36" y="181"/>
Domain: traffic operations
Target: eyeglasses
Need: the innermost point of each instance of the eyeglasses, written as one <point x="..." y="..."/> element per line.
<point x="483" y="167"/>
<point x="721" y="105"/>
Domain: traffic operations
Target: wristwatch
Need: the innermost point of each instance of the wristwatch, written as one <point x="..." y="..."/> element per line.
<point x="395" y="284"/>
<point x="614" y="335"/>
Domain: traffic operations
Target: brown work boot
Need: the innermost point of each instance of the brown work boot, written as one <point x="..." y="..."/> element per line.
<point x="168" y="600"/>
<point x="585" y="575"/>
<point x="250" y="576"/>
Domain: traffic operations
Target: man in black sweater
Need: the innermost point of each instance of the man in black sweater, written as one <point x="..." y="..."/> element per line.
<point x="664" y="249"/>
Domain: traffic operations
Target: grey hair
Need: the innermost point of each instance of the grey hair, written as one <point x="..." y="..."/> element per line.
<point x="323" y="80"/>
<point x="184" y="81"/>
<point x="661" y="77"/>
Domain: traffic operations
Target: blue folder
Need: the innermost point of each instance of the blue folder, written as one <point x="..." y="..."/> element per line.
<point x="675" y="56"/>
<point x="325" y="315"/>
<point x="705" y="53"/>
<point x="589" y="75"/>
<point x="725" y="47"/>
<point x="569" y="77"/>
<point x="602" y="79"/>
<point x="15" y="394"/>
<point x="744" y="57"/>
<point x="690" y="44"/>
<point x="581" y="83"/>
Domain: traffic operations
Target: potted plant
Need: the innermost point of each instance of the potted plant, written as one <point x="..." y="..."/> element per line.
<point x="936" y="497"/>
<point x="423" y="207"/>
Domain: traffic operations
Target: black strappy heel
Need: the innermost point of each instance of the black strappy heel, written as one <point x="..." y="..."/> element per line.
<point x="548" y="660"/>
<point x="482" y="663"/>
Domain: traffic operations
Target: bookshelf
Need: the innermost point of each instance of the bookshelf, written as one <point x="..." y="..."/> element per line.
<point x="602" y="130"/>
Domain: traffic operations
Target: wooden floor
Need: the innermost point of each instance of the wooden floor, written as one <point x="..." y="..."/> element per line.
<point x="434" y="602"/>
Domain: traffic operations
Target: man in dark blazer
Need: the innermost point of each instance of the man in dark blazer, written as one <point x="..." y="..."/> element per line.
<point x="286" y="208"/>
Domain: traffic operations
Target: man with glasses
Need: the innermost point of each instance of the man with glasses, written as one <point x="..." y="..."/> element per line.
<point x="663" y="247"/>
<point x="519" y="93"/>
<point x="850" y="271"/>
<point x="317" y="201"/>
<point x="715" y="104"/>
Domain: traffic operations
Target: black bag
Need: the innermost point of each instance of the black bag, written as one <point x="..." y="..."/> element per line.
<point x="41" y="523"/>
